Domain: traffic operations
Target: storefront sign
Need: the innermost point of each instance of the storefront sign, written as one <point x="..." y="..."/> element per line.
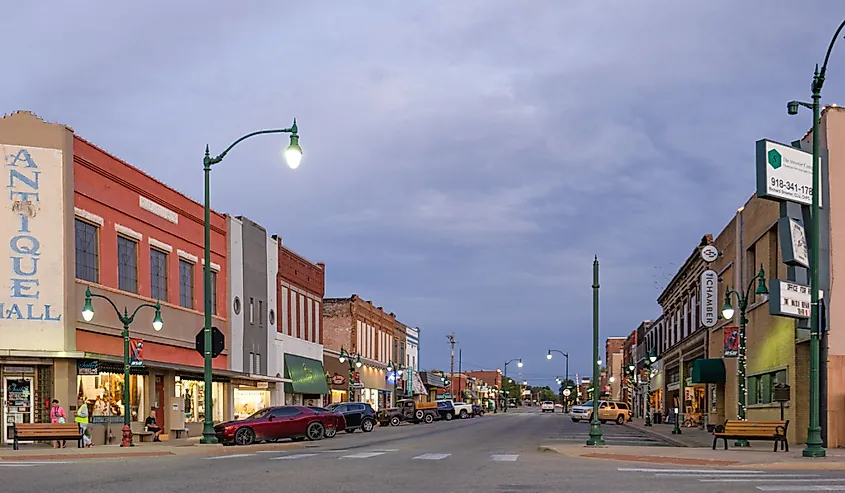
<point x="731" y="342"/>
<point x="709" y="254"/>
<point x="98" y="420"/>
<point x="793" y="242"/>
<point x="33" y="228"/>
<point x="784" y="173"/>
<point x="338" y="380"/>
<point x="262" y="385"/>
<point x="709" y="298"/>
<point x="789" y="299"/>
<point x="136" y="352"/>
<point x="18" y="369"/>
<point x="88" y="367"/>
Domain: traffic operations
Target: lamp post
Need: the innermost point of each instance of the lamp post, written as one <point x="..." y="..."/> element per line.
<point x="126" y="319"/>
<point x="596" y="437"/>
<point x="566" y="378"/>
<point x="354" y="362"/>
<point x="728" y="313"/>
<point x="519" y="364"/>
<point x="815" y="445"/>
<point x="293" y="156"/>
<point x="397" y="372"/>
<point x="649" y="361"/>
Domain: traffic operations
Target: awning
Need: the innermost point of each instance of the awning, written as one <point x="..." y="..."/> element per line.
<point x="307" y="375"/>
<point x="708" y="370"/>
<point x="419" y="387"/>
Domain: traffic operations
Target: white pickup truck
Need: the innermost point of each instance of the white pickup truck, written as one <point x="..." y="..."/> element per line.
<point x="462" y="409"/>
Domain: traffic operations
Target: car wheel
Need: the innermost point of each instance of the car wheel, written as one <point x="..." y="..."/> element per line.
<point x="367" y="425"/>
<point x="245" y="436"/>
<point x="315" y="431"/>
<point x="419" y="415"/>
<point x="448" y="416"/>
<point x="463" y="414"/>
<point x="395" y="421"/>
<point x="575" y="420"/>
<point x="330" y="432"/>
<point x="428" y="418"/>
<point x="350" y="430"/>
<point x="620" y="420"/>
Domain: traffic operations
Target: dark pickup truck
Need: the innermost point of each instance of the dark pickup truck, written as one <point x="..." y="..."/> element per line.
<point x="409" y="411"/>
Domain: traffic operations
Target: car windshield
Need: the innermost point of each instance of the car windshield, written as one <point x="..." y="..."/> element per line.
<point x="587" y="404"/>
<point x="260" y="413"/>
<point x="318" y="409"/>
<point x="332" y="407"/>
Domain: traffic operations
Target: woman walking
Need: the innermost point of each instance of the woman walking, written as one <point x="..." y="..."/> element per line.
<point x="58" y="415"/>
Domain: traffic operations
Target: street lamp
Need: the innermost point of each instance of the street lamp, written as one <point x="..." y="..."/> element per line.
<point x="293" y="156"/>
<point x="649" y="361"/>
<point x="565" y="355"/>
<point x="815" y="445"/>
<point x="596" y="437"/>
<point x="728" y="313"/>
<point x="519" y="364"/>
<point x="397" y="372"/>
<point x="126" y="320"/>
<point x="354" y="362"/>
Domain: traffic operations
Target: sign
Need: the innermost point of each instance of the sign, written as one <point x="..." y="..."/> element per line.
<point x="788" y="299"/>
<point x="32" y="225"/>
<point x="709" y="298"/>
<point x="784" y="173"/>
<point x="793" y="242"/>
<point x="731" y="342"/>
<point x="18" y="369"/>
<point x="262" y="385"/>
<point x="218" y="342"/>
<point x="566" y="392"/>
<point x="338" y="379"/>
<point x="709" y="253"/>
<point x="136" y="352"/>
<point x="87" y="367"/>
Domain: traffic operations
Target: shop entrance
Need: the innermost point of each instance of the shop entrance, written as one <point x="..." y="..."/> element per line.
<point x="18" y="396"/>
<point x="159" y="400"/>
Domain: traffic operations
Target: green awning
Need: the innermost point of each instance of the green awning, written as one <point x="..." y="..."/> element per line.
<point x="708" y="370"/>
<point x="307" y="375"/>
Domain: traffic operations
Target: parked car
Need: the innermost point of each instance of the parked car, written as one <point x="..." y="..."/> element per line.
<point x="340" y="420"/>
<point x="477" y="410"/>
<point x="608" y="411"/>
<point x="446" y="409"/>
<point x="410" y="411"/>
<point x="274" y="423"/>
<point x="462" y="409"/>
<point x="547" y="406"/>
<point x="358" y="415"/>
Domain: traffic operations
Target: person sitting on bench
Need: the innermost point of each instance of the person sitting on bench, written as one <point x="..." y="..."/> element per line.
<point x="151" y="425"/>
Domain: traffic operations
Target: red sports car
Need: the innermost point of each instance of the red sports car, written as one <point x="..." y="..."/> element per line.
<point x="273" y="423"/>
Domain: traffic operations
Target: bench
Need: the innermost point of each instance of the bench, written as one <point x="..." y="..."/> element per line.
<point x="179" y="432"/>
<point x="140" y="431"/>
<point x="753" y="430"/>
<point x="47" y="431"/>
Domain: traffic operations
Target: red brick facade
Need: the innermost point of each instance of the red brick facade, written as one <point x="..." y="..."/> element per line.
<point x="301" y="285"/>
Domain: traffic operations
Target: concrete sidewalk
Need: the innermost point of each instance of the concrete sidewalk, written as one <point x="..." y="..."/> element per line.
<point x="689" y="437"/>
<point x="189" y="446"/>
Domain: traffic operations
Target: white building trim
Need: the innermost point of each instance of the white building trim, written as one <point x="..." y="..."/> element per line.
<point x="123" y="230"/>
<point x="187" y="256"/>
<point x="159" y="244"/>
<point x="214" y="267"/>
<point x="88" y="216"/>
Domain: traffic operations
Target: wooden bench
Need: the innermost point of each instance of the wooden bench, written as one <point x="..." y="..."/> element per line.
<point x="179" y="432"/>
<point x="753" y="430"/>
<point x="47" y="431"/>
<point x="140" y="431"/>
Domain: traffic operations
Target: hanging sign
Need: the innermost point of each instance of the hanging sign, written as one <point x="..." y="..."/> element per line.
<point x="788" y="299"/>
<point x="338" y="379"/>
<point x="136" y="352"/>
<point x="87" y="367"/>
<point x="731" y="342"/>
<point x="793" y="242"/>
<point x="784" y="173"/>
<point x="709" y="298"/>
<point x="709" y="254"/>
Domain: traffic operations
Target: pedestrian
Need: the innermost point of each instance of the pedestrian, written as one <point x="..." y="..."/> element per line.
<point x="151" y="425"/>
<point x="82" y="419"/>
<point x="58" y="416"/>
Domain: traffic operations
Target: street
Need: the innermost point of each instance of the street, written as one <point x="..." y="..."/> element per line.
<point x="495" y="453"/>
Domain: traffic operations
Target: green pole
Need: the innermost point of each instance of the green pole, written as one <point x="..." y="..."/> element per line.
<point x="814" y="446"/>
<point x="127" y="413"/>
<point x="648" y="391"/>
<point x="596" y="438"/>
<point x="208" y="436"/>
<point x="741" y="383"/>
<point x="676" y="430"/>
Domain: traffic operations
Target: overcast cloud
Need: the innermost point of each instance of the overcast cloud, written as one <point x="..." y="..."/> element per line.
<point x="464" y="159"/>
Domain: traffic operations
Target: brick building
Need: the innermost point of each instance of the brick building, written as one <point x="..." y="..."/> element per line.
<point x="364" y="331"/>
<point x="613" y="353"/>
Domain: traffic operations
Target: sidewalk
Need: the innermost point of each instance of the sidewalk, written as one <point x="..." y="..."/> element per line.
<point x="689" y="437"/>
<point x="190" y="446"/>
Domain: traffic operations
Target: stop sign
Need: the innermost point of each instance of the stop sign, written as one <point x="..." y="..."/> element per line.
<point x="566" y="392"/>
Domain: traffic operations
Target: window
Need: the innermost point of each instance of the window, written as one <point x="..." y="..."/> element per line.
<point x="87" y="252"/>
<point x="286" y="412"/>
<point x="213" y="293"/>
<point x="257" y="362"/>
<point x="158" y="275"/>
<point x="186" y="284"/>
<point x="251" y="363"/>
<point x="260" y="313"/>
<point x="127" y="265"/>
<point x="761" y="387"/>
<point x="251" y="310"/>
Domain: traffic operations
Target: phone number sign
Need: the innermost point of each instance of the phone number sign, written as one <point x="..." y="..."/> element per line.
<point x="784" y="173"/>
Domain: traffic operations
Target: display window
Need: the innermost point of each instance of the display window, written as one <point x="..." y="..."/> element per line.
<point x="193" y="394"/>
<point x="248" y="401"/>
<point x="104" y="394"/>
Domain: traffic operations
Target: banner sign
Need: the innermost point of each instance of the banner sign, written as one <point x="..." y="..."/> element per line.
<point x="788" y="299"/>
<point x="793" y="242"/>
<point x="709" y="298"/>
<point x="784" y="173"/>
<point x="731" y="342"/>
<point x="136" y="352"/>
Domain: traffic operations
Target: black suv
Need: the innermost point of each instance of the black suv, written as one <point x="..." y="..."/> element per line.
<point x="446" y="410"/>
<point x="358" y="415"/>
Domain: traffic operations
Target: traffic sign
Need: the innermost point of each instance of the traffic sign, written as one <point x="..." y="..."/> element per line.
<point x="218" y="342"/>
<point x="566" y="392"/>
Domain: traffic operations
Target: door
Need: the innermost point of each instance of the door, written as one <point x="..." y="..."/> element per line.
<point x="159" y="401"/>
<point x="353" y="415"/>
<point x="294" y="422"/>
<point x="18" y="404"/>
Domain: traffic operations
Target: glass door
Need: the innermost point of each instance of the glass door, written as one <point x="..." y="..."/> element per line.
<point x="18" y="404"/>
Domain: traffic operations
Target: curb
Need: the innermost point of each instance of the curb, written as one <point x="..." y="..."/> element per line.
<point x="659" y="436"/>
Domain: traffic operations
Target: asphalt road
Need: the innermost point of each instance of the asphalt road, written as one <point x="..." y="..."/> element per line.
<point x="494" y="454"/>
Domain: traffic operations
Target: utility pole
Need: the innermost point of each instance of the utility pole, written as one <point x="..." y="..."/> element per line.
<point x="451" y="338"/>
<point x="460" y="375"/>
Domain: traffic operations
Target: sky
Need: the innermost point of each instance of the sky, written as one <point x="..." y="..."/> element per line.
<point x="464" y="161"/>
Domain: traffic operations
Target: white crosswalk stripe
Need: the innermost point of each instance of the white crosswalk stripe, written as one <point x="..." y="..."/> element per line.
<point x="805" y="487"/>
<point x="778" y="481"/>
<point x="431" y="456"/>
<point x="504" y="458"/>
<point x="229" y="456"/>
<point x="363" y="455"/>
<point x="293" y="457"/>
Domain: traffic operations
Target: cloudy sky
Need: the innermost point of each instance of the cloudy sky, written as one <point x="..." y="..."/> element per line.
<point x="464" y="159"/>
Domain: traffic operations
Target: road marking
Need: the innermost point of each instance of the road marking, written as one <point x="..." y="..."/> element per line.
<point x="386" y="450"/>
<point x="724" y="474"/>
<point x="712" y="471"/>
<point x="334" y="451"/>
<point x="292" y="457"/>
<point x="504" y="458"/>
<point x="230" y="456"/>
<point x="31" y="462"/>
<point x="802" y="488"/>
<point x="362" y="455"/>
<point x="432" y="456"/>
<point x="17" y="465"/>
<point x="766" y="480"/>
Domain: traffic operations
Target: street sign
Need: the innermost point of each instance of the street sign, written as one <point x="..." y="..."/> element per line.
<point x="566" y="392"/>
<point x="218" y="342"/>
<point x="709" y="298"/>
<point x="709" y="253"/>
<point x="784" y="173"/>
<point x="793" y="242"/>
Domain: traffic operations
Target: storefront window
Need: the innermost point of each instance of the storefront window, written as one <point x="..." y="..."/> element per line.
<point x="249" y="401"/>
<point x="193" y="393"/>
<point x="105" y="394"/>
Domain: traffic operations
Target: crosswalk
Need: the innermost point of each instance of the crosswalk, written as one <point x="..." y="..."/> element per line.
<point x="362" y="455"/>
<point x="761" y="480"/>
<point x="613" y="435"/>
